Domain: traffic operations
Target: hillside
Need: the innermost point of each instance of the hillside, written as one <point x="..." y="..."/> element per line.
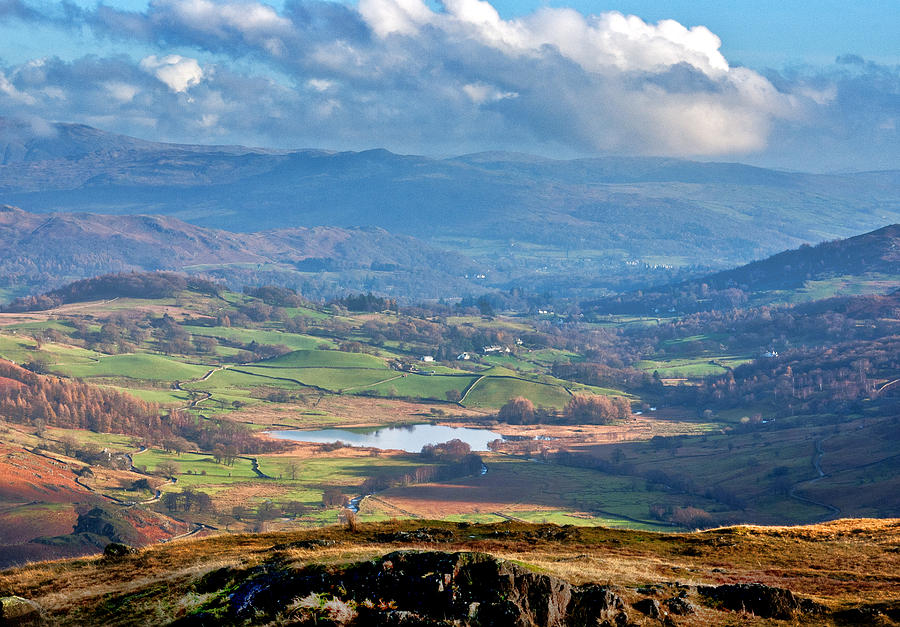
<point x="426" y="573"/>
<point x="863" y="264"/>
<point x="43" y="251"/>
<point x="870" y="253"/>
<point x="534" y="211"/>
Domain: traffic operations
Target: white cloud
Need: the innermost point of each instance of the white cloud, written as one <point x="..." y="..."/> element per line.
<point x="620" y="73"/>
<point x="255" y="23"/>
<point x="320" y="84"/>
<point x="6" y="87"/>
<point x="414" y="78"/>
<point x="177" y="72"/>
<point x="480" y="93"/>
<point x="389" y="17"/>
<point x="122" y="92"/>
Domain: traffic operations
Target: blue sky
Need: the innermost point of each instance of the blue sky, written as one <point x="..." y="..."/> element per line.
<point x="792" y="84"/>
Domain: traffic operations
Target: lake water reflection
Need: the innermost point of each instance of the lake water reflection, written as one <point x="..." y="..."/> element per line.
<point x="409" y="438"/>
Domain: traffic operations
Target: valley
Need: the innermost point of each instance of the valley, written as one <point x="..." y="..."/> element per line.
<point x="618" y="420"/>
<point x="171" y="385"/>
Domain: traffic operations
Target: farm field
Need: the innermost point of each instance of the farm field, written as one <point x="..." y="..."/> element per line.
<point x="494" y="391"/>
<point x="144" y="366"/>
<point x="263" y="336"/>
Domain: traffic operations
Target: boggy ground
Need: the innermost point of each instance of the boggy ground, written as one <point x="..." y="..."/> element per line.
<point x="846" y="570"/>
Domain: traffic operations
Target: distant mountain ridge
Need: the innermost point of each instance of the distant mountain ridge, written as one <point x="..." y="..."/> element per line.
<point x="46" y="250"/>
<point x="617" y="210"/>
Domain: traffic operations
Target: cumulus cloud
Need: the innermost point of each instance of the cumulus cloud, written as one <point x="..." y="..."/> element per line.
<point x="177" y="72"/>
<point x="408" y="76"/>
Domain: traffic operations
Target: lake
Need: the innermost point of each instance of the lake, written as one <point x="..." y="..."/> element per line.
<point x="409" y="438"/>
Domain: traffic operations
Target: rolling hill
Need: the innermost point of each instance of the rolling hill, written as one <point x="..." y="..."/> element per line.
<point x="864" y="264"/>
<point x="42" y="251"/>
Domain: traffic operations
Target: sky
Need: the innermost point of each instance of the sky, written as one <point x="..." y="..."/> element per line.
<point x="795" y="84"/>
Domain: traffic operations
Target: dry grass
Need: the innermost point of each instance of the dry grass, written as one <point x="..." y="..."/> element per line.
<point x="847" y="561"/>
<point x="573" y="437"/>
<point x="340" y="411"/>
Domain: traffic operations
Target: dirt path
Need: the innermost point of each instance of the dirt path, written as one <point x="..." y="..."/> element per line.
<point x="508" y="517"/>
<point x="470" y="388"/>
<point x="210" y="373"/>
<point x="833" y="512"/>
<point x="371" y="385"/>
<point x="198" y="527"/>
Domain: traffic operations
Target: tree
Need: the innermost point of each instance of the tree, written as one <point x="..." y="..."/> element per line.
<point x="349" y="518"/>
<point x="333" y="497"/>
<point x="167" y="469"/>
<point x="595" y="409"/>
<point x="69" y="444"/>
<point x="266" y="511"/>
<point x="294" y="508"/>
<point x="517" y="411"/>
<point x="170" y="501"/>
<point x="292" y="468"/>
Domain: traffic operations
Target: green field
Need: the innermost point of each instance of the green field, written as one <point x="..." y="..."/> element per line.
<point x="229" y="386"/>
<point x="261" y="336"/>
<point x="335" y="379"/>
<point x="41" y="325"/>
<point x="494" y="392"/>
<point x="873" y="283"/>
<point x="113" y="440"/>
<point x="324" y="359"/>
<point x="148" y="367"/>
<point x="423" y="386"/>
<point x="154" y="395"/>
<point x="192" y="466"/>
<point x="510" y="362"/>
<point x="686" y="368"/>
<point x="21" y="349"/>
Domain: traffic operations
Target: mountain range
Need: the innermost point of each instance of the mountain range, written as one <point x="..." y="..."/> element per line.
<point x="586" y="216"/>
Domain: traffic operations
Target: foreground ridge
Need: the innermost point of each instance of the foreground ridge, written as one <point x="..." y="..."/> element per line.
<point x="441" y="573"/>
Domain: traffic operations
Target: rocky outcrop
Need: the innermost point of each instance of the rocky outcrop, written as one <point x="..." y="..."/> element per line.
<point x="415" y="588"/>
<point x="18" y="611"/>
<point x="679" y="605"/>
<point x="650" y="607"/>
<point x="116" y="550"/>
<point x="761" y="600"/>
<point x="464" y="589"/>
